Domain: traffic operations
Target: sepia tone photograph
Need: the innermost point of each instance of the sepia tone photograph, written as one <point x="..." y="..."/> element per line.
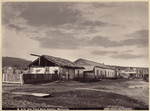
<point x="75" y="56"/>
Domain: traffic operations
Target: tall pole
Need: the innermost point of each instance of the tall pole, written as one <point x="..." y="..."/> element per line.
<point x="37" y="56"/>
<point x="39" y="60"/>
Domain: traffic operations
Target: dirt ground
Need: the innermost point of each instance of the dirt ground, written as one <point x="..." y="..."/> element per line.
<point x="107" y="94"/>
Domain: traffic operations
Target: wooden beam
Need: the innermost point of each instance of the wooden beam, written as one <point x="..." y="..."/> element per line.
<point x="35" y="55"/>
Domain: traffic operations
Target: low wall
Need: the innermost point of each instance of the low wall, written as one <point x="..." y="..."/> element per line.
<point x="37" y="78"/>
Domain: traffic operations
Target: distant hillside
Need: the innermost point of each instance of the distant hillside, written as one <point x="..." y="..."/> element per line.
<point x="15" y="62"/>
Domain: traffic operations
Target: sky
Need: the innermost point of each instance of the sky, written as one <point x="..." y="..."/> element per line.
<point x="113" y="33"/>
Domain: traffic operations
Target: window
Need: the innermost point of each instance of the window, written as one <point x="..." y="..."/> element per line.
<point x="101" y="72"/>
<point x="78" y="71"/>
<point x="56" y="71"/>
<point x="97" y="72"/>
<point x="46" y="70"/>
<point x="105" y="73"/>
<point x="38" y="70"/>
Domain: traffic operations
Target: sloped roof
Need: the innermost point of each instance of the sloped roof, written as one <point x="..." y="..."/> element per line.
<point x="106" y="67"/>
<point x="89" y="65"/>
<point x="60" y="61"/>
<point x="85" y="62"/>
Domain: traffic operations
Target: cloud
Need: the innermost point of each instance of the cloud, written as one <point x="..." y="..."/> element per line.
<point x="11" y="11"/>
<point x="93" y="23"/>
<point x="88" y="26"/>
<point x="104" y="42"/>
<point x="138" y="38"/>
<point x="103" y="52"/>
<point x="15" y="27"/>
<point x="126" y="56"/>
<point x="104" y="5"/>
<point x="127" y="51"/>
<point x="135" y="42"/>
<point x="59" y="40"/>
<point x="140" y="34"/>
<point x="49" y="14"/>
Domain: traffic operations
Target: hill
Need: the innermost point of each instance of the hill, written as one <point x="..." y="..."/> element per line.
<point x="15" y="62"/>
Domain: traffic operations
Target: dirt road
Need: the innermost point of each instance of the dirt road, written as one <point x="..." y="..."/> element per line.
<point x="117" y="94"/>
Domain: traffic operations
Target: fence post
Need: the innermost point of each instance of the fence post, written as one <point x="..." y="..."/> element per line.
<point x="21" y="79"/>
<point x="3" y="77"/>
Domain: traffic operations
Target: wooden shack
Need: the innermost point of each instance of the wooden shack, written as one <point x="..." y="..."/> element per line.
<point x="54" y="66"/>
<point x="96" y="70"/>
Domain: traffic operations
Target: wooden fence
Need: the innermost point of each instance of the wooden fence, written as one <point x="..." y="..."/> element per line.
<point x="12" y="78"/>
<point x="37" y="78"/>
<point x="28" y="78"/>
